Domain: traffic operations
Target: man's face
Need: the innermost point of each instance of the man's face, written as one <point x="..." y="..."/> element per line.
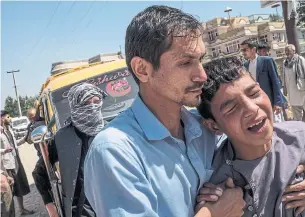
<point x="247" y="52"/>
<point x="6" y="119"/>
<point x="289" y="52"/>
<point x="243" y="111"/>
<point x="32" y="115"/>
<point x="181" y="75"/>
<point x="263" y="52"/>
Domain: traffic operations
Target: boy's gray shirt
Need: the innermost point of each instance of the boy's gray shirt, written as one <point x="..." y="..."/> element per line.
<point x="265" y="179"/>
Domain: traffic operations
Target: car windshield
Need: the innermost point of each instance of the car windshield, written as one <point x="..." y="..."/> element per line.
<point x="18" y="122"/>
<point x="119" y="85"/>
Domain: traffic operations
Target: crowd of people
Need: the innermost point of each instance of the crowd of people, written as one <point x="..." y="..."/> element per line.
<point x="236" y="154"/>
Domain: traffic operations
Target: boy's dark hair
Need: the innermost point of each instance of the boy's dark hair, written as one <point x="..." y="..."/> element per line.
<point x="250" y="42"/>
<point x="151" y="33"/>
<point x="263" y="45"/>
<point x="220" y="71"/>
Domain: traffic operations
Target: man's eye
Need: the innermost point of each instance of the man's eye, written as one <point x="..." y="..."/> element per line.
<point x="185" y="63"/>
<point x="256" y="93"/>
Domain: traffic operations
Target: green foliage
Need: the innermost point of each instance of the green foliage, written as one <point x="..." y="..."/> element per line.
<point x="301" y="13"/>
<point x="25" y="103"/>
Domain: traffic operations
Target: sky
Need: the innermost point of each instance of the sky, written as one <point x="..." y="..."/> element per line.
<point x="36" y="34"/>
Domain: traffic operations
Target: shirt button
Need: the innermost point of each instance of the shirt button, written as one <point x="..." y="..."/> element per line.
<point x="255" y="215"/>
<point x="228" y="162"/>
<point x="250" y="208"/>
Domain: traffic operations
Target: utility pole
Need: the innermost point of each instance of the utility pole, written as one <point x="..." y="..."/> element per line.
<point x="291" y="27"/>
<point x="15" y="86"/>
<point x="228" y="10"/>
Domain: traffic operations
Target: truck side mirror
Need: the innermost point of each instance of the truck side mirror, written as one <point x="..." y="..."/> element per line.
<point x="40" y="134"/>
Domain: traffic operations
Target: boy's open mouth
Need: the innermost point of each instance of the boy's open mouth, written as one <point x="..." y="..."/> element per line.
<point x="258" y="127"/>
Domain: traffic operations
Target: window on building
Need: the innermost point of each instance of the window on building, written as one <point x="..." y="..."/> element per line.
<point x="212" y="35"/>
<point x="232" y="47"/>
<point x="263" y="38"/>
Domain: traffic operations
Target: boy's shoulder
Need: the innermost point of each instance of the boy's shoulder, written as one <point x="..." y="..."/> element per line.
<point x="290" y="128"/>
<point x="290" y="136"/>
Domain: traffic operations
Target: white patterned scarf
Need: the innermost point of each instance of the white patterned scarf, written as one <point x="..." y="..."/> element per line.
<point x="87" y="118"/>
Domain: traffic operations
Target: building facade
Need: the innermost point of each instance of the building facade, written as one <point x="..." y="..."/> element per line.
<point x="223" y="36"/>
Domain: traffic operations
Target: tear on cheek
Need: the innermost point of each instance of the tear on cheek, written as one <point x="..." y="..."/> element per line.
<point x="258" y="99"/>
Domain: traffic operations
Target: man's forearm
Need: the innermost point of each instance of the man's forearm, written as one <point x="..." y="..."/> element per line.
<point x="21" y="141"/>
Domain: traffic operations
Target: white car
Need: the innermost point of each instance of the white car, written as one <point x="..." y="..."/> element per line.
<point x="19" y="125"/>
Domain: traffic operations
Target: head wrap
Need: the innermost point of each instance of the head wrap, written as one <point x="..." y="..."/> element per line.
<point x="86" y="117"/>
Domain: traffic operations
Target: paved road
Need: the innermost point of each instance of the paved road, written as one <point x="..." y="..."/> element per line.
<point x="33" y="200"/>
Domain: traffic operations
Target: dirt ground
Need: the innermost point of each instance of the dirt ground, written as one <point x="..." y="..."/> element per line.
<point x="33" y="200"/>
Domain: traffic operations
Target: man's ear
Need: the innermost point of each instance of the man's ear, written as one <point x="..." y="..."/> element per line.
<point x="141" y="68"/>
<point x="212" y="125"/>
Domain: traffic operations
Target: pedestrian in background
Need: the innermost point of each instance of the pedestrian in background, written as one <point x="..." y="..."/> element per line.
<point x="294" y="82"/>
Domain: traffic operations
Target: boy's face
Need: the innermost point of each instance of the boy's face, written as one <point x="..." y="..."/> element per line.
<point x="243" y="111"/>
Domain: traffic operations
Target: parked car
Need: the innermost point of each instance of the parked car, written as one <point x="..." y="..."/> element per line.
<point x="19" y="125"/>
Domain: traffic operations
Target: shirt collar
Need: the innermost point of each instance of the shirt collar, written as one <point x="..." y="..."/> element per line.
<point x="255" y="59"/>
<point x="248" y="168"/>
<point x="154" y="129"/>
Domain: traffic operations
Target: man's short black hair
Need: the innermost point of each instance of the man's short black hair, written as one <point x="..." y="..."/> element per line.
<point x="4" y="112"/>
<point x="250" y="42"/>
<point x="151" y="33"/>
<point x="220" y="71"/>
<point x="263" y="45"/>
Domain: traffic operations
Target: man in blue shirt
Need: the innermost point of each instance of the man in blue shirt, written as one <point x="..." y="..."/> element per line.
<point x="153" y="158"/>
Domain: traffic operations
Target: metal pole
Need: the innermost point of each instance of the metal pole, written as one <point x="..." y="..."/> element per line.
<point x="291" y="28"/>
<point x="15" y="86"/>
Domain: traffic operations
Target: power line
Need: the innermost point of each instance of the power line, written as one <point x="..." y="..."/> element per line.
<point x="47" y="26"/>
<point x="76" y="27"/>
<point x="61" y="23"/>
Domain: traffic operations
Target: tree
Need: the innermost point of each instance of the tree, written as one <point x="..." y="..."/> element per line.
<point x="25" y="103"/>
<point x="11" y="106"/>
<point x="301" y="13"/>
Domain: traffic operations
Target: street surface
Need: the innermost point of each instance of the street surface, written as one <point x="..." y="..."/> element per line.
<point x="33" y="200"/>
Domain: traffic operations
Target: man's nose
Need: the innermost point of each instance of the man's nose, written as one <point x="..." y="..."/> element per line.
<point x="251" y="108"/>
<point x="200" y="74"/>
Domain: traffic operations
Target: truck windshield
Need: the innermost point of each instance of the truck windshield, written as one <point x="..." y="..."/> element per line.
<point x="18" y="122"/>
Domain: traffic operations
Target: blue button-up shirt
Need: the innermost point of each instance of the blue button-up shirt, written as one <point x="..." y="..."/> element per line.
<point x="136" y="168"/>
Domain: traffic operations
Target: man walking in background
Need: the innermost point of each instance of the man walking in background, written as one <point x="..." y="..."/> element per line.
<point x="294" y="82"/>
<point x="263" y="49"/>
<point x="12" y="162"/>
<point x="263" y="70"/>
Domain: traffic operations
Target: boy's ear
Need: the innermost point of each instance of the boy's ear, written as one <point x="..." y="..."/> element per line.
<point x="212" y="125"/>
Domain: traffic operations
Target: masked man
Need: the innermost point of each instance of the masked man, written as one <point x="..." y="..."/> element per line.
<point x="12" y="162"/>
<point x="69" y="148"/>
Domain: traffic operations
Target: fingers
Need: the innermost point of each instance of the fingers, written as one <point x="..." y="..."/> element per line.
<point x="295" y="204"/>
<point x="211" y="191"/>
<point x="199" y="206"/>
<point x="207" y="198"/>
<point x="209" y="185"/>
<point x="294" y="196"/>
<point x="297" y="187"/>
<point x="299" y="210"/>
<point x="230" y="183"/>
<point x="300" y="169"/>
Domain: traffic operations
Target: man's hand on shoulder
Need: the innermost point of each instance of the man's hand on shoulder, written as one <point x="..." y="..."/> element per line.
<point x="295" y="194"/>
<point x="227" y="203"/>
